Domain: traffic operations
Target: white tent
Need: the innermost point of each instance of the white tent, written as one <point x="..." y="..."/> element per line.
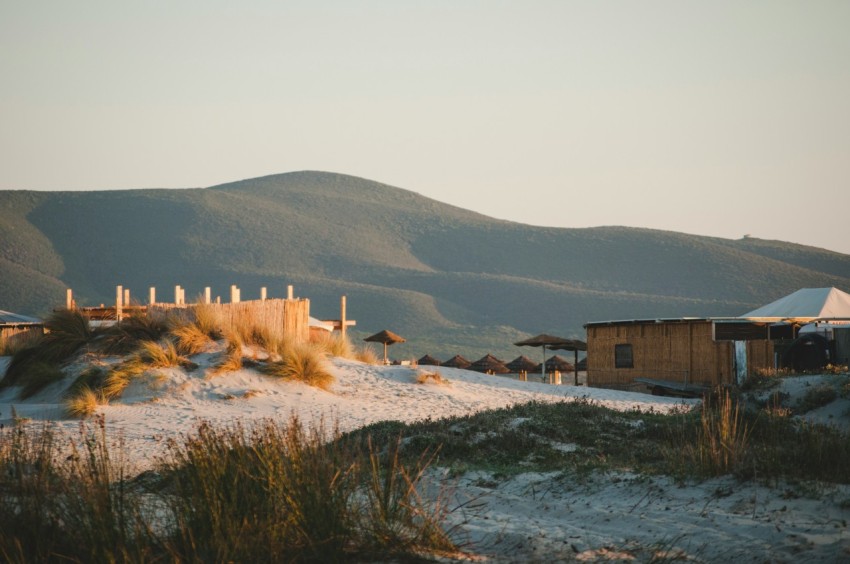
<point x="806" y="304"/>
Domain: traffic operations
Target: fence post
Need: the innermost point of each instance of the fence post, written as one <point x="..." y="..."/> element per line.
<point x="69" y="299"/>
<point x="342" y="316"/>
<point x="152" y="295"/>
<point x="233" y="295"/>
<point x="126" y="296"/>
<point x="263" y="293"/>
<point x="119" y="297"/>
<point x="207" y="294"/>
<point x="289" y="292"/>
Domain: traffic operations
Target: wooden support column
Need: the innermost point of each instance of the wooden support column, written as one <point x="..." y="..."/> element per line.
<point x="342" y="323"/>
<point x="152" y="295"/>
<point x="119" y="302"/>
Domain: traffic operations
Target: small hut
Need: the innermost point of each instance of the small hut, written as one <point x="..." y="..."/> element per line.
<point x="489" y="364"/>
<point x="521" y="366"/>
<point x="554" y="367"/>
<point x="14" y="326"/>
<point x="428" y="360"/>
<point x="457" y="361"/>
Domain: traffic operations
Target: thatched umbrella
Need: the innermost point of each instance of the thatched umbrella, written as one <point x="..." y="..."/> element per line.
<point x="387" y="338"/>
<point x="457" y="361"/>
<point x="522" y="365"/>
<point x="489" y="364"/>
<point x="544" y="341"/>
<point x="571" y="345"/>
<point x="559" y="364"/>
<point x="428" y="360"/>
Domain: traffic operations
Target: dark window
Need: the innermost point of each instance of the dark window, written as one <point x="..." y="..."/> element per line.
<point x="623" y="356"/>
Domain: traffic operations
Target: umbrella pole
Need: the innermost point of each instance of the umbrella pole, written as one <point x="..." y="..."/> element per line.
<point x="385" y="354"/>
<point x="575" y="365"/>
<point x="543" y="366"/>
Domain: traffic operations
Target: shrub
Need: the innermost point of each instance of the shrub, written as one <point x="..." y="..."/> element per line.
<point x="127" y="336"/>
<point x="190" y="339"/>
<point x="817" y="396"/>
<point x="83" y="402"/>
<point x="301" y="363"/>
<point x="333" y="344"/>
<point x="435" y="377"/>
<point x="231" y="359"/>
<point x="367" y="355"/>
<point x="39" y="375"/>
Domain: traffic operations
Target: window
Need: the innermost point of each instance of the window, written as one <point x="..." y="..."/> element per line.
<point x="623" y="357"/>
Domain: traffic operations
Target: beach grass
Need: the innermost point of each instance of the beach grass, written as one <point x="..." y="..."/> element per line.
<point x="268" y="492"/>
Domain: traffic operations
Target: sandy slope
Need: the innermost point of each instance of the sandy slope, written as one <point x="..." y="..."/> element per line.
<point x="531" y="517"/>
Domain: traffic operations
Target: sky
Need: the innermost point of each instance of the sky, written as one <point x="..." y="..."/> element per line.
<point x="721" y="118"/>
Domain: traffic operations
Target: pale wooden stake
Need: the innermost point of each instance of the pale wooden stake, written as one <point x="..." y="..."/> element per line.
<point x="152" y="295"/>
<point x="177" y="294"/>
<point x="233" y="298"/>
<point x="127" y="296"/>
<point x="342" y="323"/>
<point x="289" y="292"/>
<point x="263" y="293"/>
<point x="207" y="294"/>
<point x="69" y="299"/>
<point x="119" y="297"/>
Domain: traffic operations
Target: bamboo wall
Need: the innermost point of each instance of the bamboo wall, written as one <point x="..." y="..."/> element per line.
<point x="13" y="333"/>
<point x="282" y="318"/>
<point x="679" y="351"/>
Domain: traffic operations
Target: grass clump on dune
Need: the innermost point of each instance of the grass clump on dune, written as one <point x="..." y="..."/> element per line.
<point x="127" y="336"/>
<point x="301" y="363"/>
<point x="231" y="358"/>
<point x="268" y="493"/>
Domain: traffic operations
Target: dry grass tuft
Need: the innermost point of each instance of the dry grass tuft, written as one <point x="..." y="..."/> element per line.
<point x="302" y="363"/>
<point x="231" y="359"/>
<point x="367" y="355"/>
<point x="83" y="403"/>
<point x="333" y="344"/>
<point x="435" y="377"/>
<point x="191" y="339"/>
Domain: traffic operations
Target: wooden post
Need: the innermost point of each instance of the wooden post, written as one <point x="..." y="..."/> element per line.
<point x="207" y="294"/>
<point x="127" y="296"/>
<point x="233" y="298"/>
<point x="177" y="294"/>
<point x="218" y="299"/>
<point x="342" y="320"/>
<point x="69" y="299"/>
<point x="152" y="295"/>
<point x="263" y="293"/>
<point x="289" y="292"/>
<point x="119" y="302"/>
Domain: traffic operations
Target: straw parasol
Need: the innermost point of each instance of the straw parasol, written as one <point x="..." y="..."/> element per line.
<point x="522" y="365"/>
<point x="489" y="364"/>
<point x="559" y="364"/>
<point x="457" y="361"/>
<point x="571" y="345"/>
<point x="387" y="338"/>
<point x="428" y="360"/>
<point x="544" y="341"/>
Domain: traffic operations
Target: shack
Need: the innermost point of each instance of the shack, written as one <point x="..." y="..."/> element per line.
<point x="14" y="326"/>
<point x="689" y="354"/>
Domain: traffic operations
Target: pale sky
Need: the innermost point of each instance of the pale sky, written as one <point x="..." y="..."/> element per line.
<point x="714" y="117"/>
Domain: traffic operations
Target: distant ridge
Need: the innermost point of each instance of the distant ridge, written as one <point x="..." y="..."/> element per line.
<point x="447" y="279"/>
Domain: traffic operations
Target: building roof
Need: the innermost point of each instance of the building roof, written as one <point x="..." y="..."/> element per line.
<point x="9" y="318"/>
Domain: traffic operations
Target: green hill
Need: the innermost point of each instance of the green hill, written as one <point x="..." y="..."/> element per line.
<point x="450" y="280"/>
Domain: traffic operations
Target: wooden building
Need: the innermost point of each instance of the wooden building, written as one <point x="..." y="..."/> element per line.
<point x="14" y="326"/>
<point x="691" y="351"/>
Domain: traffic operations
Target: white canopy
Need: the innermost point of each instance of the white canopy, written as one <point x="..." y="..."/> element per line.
<point x="806" y="304"/>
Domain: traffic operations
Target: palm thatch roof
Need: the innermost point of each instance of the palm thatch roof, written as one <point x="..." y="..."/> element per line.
<point x="386" y="337"/>
<point x="457" y="361"/>
<point x="559" y="364"/>
<point x="489" y="363"/>
<point x="523" y="364"/>
<point x="428" y="360"/>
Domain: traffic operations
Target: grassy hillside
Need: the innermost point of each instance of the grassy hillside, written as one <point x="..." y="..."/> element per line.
<point x="450" y="280"/>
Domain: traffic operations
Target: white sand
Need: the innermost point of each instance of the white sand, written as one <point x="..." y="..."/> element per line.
<point x="531" y="517"/>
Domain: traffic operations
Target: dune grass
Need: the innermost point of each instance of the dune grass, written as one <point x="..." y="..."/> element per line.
<point x="301" y="363"/>
<point x="423" y="377"/>
<point x="127" y="336"/>
<point x="266" y="493"/>
<point x="231" y="358"/>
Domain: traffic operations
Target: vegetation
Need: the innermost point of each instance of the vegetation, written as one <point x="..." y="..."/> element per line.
<point x="267" y="493"/>
<point x="449" y="280"/>
<point x="301" y="363"/>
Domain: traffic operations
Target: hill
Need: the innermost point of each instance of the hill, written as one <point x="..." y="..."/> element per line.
<point x="448" y="279"/>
